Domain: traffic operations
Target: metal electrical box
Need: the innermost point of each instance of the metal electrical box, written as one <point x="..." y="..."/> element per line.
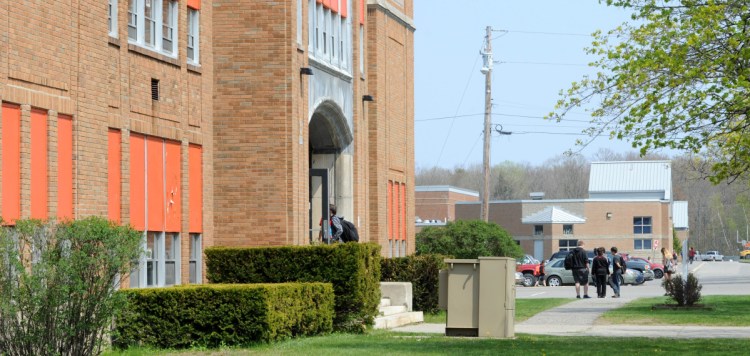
<point x="480" y="298"/>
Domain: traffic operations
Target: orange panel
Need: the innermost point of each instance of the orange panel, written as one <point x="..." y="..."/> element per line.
<point x="195" y="187"/>
<point x="138" y="181"/>
<point x="11" y="146"/>
<point x="64" y="167"/>
<point x="362" y="12"/>
<point x="194" y="4"/>
<point x="155" y="183"/>
<point x="396" y="213"/>
<point x="174" y="190"/>
<point x="114" y="174"/>
<point x="403" y="211"/>
<point x="334" y="4"/>
<point x="327" y="4"/>
<point x="389" y="211"/>
<point x="343" y="10"/>
<point x="39" y="181"/>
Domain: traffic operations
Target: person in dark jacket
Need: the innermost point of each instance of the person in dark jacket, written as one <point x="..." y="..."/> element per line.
<point x="618" y="267"/>
<point x="600" y="271"/>
<point x="581" y="270"/>
<point x="335" y="224"/>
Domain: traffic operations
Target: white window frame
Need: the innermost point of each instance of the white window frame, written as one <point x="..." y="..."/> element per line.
<point x="639" y="222"/>
<point x="195" y="264"/>
<point x="172" y="257"/>
<point x="362" y="50"/>
<point x="169" y="27"/>
<point x="639" y="244"/>
<point x="154" y="259"/>
<point x="112" y="18"/>
<point x="193" y="33"/>
<point x="137" y="25"/>
<point x="299" y="22"/>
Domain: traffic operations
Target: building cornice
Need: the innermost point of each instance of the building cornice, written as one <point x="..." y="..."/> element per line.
<point x="393" y="12"/>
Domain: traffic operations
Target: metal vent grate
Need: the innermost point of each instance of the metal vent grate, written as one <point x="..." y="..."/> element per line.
<point x="154" y="89"/>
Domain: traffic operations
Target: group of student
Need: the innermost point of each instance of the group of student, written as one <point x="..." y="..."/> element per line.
<point x="599" y="269"/>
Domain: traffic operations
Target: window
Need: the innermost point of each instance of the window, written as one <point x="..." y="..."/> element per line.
<point x="538" y="230"/>
<point x="362" y="50"/>
<point x="299" y="22"/>
<point x="642" y="244"/>
<point x="154" y="257"/>
<point x="567" y="245"/>
<point x="172" y="259"/>
<point x="328" y="35"/>
<point x="195" y="259"/>
<point x="193" y="40"/>
<point x="150" y="20"/>
<point x="642" y="225"/>
<point x="112" y="17"/>
<point x="567" y="229"/>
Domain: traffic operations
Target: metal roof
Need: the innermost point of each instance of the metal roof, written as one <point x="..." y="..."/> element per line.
<point x="552" y="215"/>
<point x="680" y="215"/>
<point x="445" y="188"/>
<point x="629" y="178"/>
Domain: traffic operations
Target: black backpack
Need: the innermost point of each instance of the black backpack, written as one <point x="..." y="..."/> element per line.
<point x="349" y="232"/>
<point x="623" y="265"/>
<point x="569" y="260"/>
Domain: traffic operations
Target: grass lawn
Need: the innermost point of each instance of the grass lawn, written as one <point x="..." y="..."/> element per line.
<point x="380" y="343"/>
<point x="525" y="308"/>
<point x="727" y="311"/>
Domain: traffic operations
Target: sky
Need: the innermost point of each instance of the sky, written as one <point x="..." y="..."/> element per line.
<point x="540" y="48"/>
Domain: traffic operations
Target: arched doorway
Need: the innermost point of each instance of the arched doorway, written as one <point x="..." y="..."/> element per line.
<point x="330" y="165"/>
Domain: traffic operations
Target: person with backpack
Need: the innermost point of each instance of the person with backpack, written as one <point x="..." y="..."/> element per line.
<point x="618" y="269"/>
<point x="335" y="224"/>
<point x="580" y="269"/>
<point x="600" y="271"/>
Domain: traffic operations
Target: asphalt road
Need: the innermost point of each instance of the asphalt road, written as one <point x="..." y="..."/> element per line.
<point x="717" y="278"/>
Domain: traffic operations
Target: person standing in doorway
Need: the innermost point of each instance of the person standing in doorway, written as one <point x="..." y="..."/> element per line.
<point x="618" y="269"/>
<point x="600" y="271"/>
<point x="336" y="228"/>
<point x="581" y="270"/>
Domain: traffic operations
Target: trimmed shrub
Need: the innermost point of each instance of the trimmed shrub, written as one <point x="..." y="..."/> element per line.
<point x="216" y="315"/>
<point x="423" y="273"/>
<point x="58" y="284"/>
<point x="683" y="291"/>
<point x="467" y="239"/>
<point x="352" y="269"/>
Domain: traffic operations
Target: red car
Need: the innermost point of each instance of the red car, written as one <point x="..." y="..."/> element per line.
<point x="529" y="266"/>
<point x="658" y="268"/>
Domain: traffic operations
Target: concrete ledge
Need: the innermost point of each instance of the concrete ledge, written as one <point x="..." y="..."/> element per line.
<point x="396" y="320"/>
<point x="400" y="293"/>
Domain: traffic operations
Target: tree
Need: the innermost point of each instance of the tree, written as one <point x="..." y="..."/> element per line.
<point x="679" y="77"/>
<point x="467" y="239"/>
<point x="58" y="284"/>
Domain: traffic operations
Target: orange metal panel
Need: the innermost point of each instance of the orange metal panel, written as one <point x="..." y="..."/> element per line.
<point x="39" y="181"/>
<point x="395" y="211"/>
<point x="64" y="167"/>
<point x="389" y="211"/>
<point x="137" y="181"/>
<point x="362" y="12"/>
<point x="174" y="189"/>
<point x="344" y="10"/>
<point x="11" y="185"/>
<point x="114" y="174"/>
<point x="194" y="4"/>
<point x="155" y="183"/>
<point x="403" y="211"/>
<point x="195" y="187"/>
<point x="334" y="4"/>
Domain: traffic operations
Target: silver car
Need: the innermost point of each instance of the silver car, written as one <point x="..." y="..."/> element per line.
<point x="557" y="275"/>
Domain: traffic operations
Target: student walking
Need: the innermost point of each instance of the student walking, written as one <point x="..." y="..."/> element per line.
<point x="600" y="271"/>
<point x="580" y="270"/>
<point x="618" y="269"/>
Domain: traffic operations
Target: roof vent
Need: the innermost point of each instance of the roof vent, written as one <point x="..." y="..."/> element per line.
<point x="536" y="195"/>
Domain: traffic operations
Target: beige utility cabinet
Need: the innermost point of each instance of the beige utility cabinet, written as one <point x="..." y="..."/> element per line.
<point x="479" y="296"/>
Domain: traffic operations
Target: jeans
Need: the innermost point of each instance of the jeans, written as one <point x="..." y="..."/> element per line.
<point x="614" y="282"/>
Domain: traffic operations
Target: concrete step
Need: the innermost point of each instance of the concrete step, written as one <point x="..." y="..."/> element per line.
<point x="400" y="319"/>
<point x="391" y="310"/>
<point x="385" y="302"/>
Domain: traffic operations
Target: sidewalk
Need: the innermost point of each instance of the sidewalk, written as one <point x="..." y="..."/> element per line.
<point x="578" y="317"/>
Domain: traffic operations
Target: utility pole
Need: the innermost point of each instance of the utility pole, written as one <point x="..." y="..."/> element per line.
<point x="487" y="71"/>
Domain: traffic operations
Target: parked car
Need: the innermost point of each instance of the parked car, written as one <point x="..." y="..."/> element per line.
<point x="657" y="268"/>
<point x="519" y="278"/>
<point x="529" y="267"/>
<point x="745" y="254"/>
<point x="712" y="256"/>
<point x="642" y="266"/>
<point x="557" y="275"/>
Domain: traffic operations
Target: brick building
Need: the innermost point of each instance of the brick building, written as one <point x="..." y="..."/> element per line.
<point x="197" y="122"/>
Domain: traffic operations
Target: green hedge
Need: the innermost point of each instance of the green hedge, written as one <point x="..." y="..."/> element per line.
<point x="353" y="269"/>
<point x="216" y="315"/>
<point x="423" y="273"/>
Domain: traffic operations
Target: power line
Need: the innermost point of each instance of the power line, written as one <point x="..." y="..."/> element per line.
<point x="496" y="114"/>
<point x="549" y="33"/>
<point x="545" y="63"/>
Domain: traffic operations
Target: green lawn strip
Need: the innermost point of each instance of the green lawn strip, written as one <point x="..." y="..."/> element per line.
<point x="525" y="308"/>
<point x="725" y="311"/>
<point x="381" y="343"/>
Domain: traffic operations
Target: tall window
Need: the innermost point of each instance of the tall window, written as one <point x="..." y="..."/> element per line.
<point x="193" y="39"/>
<point x="328" y="35"/>
<point x="195" y="259"/>
<point x="642" y="225"/>
<point x="151" y="20"/>
<point x="112" y="17"/>
<point x="567" y="245"/>
<point x="154" y="257"/>
<point x="362" y="50"/>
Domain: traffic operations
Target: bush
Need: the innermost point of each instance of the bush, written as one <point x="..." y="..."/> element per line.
<point x="684" y="292"/>
<point x="216" y="315"/>
<point x="353" y="269"/>
<point x="423" y="273"/>
<point x="58" y="283"/>
<point x="467" y="239"/>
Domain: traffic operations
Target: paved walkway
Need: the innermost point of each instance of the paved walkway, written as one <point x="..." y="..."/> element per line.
<point x="578" y="319"/>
